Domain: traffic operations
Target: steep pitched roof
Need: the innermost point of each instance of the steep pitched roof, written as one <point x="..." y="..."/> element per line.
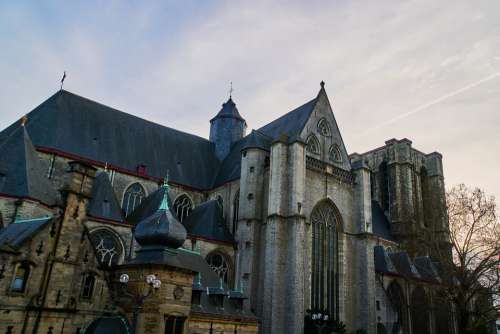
<point x="380" y="224"/>
<point x="290" y="124"/>
<point x="15" y="234"/>
<point x="21" y="172"/>
<point x="72" y="124"/>
<point x="426" y="269"/>
<point x="382" y="261"/>
<point x="103" y="204"/>
<point x="228" y="110"/>
<point x="148" y="207"/>
<point x="207" y="221"/>
<point x="403" y="264"/>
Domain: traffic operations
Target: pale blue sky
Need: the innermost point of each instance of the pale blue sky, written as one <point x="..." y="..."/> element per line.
<point x="392" y="68"/>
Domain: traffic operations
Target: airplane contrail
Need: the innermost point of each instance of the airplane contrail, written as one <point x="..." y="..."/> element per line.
<point x="433" y="102"/>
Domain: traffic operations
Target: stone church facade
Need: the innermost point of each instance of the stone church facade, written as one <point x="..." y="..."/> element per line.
<point x="279" y="223"/>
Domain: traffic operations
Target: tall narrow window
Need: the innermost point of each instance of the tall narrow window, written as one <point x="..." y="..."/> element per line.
<point x="88" y="286"/>
<point x="236" y="208"/>
<point x="132" y="198"/>
<point x="384" y="186"/>
<point x="20" y="278"/>
<point x="174" y="325"/>
<point x="424" y="189"/>
<point x="324" y="290"/>
<point x="183" y="207"/>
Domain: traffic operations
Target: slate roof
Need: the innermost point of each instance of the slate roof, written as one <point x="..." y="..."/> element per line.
<point x="403" y="264"/>
<point x="228" y="110"/>
<point x="291" y="123"/>
<point x="104" y="204"/>
<point x="207" y="221"/>
<point x="73" y="124"/>
<point x="148" y="207"/>
<point x="108" y="325"/>
<point x="21" y="172"/>
<point x="427" y="269"/>
<point x="380" y="224"/>
<point x="382" y="261"/>
<point x="15" y="234"/>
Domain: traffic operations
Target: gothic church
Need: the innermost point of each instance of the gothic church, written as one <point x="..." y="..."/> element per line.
<point x="249" y="232"/>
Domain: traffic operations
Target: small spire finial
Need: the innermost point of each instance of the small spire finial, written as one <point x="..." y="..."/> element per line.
<point x="322" y="84"/>
<point x="221" y="284"/>
<point x="164" y="201"/>
<point x="231" y="90"/>
<point x="24" y="119"/>
<point x="62" y="80"/>
<point x="106" y="167"/>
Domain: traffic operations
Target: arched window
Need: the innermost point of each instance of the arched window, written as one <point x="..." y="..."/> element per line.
<point x="384" y="186"/>
<point x="397" y="305"/>
<point x="313" y="144"/>
<point x="420" y="311"/>
<point x="424" y="188"/>
<point x="183" y="207"/>
<point x="325" y="246"/>
<point x="335" y="154"/>
<point x="220" y="265"/>
<point x="132" y="198"/>
<point x="88" y="282"/>
<point x="174" y="325"/>
<point x="107" y="247"/>
<point x="20" y="278"/>
<point x="324" y="128"/>
<point x="236" y="208"/>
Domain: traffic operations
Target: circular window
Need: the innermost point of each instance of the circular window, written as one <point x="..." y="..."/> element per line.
<point x="219" y="265"/>
<point x="107" y="247"/>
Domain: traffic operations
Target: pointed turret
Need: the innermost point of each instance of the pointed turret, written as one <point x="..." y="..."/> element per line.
<point x="21" y="172"/>
<point x="226" y="128"/>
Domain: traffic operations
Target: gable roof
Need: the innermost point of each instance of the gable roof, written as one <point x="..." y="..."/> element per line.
<point x="380" y="224"/>
<point x="290" y="124"/>
<point x="75" y="125"/>
<point x="103" y="204"/>
<point x="21" y="172"/>
<point x="207" y="221"/>
<point x="15" y="234"/>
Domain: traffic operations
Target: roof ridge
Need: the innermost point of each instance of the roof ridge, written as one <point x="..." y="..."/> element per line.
<point x="290" y="112"/>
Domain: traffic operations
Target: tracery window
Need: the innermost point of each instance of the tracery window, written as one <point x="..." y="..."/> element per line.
<point x="20" y="278"/>
<point x="324" y="128"/>
<point x="313" y="144"/>
<point x="220" y="265"/>
<point x="325" y="278"/>
<point x="384" y="186"/>
<point x="134" y="195"/>
<point x="335" y="154"/>
<point x="183" y="207"/>
<point x="424" y="189"/>
<point x="107" y="247"/>
<point x="236" y="209"/>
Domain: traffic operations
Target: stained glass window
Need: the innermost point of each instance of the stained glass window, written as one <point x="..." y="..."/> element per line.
<point x="107" y="247"/>
<point x="132" y="198"/>
<point x="324" y="289"/>
<point x="183" y="207"/>
<point x="220" y="265"/>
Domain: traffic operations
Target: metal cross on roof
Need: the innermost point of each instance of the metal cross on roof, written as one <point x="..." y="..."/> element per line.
<point x="231" y="90"/>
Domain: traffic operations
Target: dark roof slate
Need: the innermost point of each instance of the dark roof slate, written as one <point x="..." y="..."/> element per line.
<point x="15" y="234"/>
<point x="290" y="124"/>
<point x="148" y="207"/>
<point x="380" y="224"/>
<point x="383" y="262"/>
<point x="228" y="110"/>
<point x="403" y="264"/>
<point x="108" y="325"/>
<point x="93" y="131"/>
<point x="427" y="269"/>
<point x="207" y="221"/>
<point x="21" y="172"/>
<point x="104" y="204"/>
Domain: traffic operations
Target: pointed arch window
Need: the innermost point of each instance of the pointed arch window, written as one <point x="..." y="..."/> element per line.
<point x="334" y="154"/>
<point x="133" y="196"/>
<point x="183" y="207"/>
<point x="236" y="209"/>
<point x="313" y="144"/>
<point x="384" y="186"/>
<point x="220" y="265"/>
<point x="424" y="189"/>
<point x="324" y="128"/>
<point x="325" y="247"/>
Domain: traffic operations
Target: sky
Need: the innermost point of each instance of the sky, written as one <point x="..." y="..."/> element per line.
<point x="425" y="70"/>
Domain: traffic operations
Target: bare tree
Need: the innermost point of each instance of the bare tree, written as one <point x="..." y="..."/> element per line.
<point x="469" y="256"/>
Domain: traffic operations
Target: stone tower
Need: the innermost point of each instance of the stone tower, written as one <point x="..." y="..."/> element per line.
<point x="226" y="128"/>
